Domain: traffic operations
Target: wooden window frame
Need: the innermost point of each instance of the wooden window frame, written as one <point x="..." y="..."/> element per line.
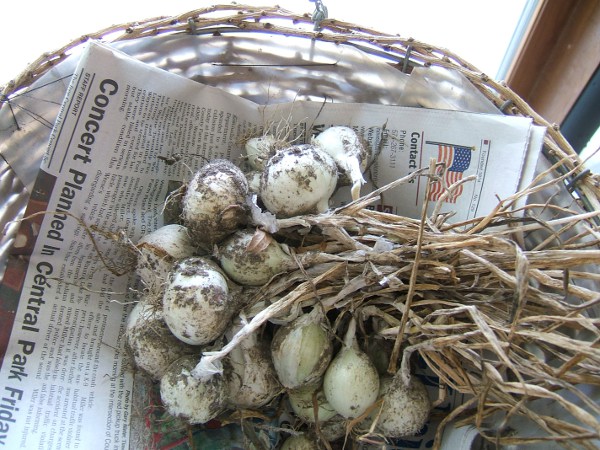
<point x="557" y="57"/>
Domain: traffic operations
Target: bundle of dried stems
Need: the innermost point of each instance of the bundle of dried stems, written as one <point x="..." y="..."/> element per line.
<point x="505" y="325"/>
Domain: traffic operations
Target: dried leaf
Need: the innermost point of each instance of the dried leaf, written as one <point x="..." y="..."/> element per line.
<point x="259" y="242"/>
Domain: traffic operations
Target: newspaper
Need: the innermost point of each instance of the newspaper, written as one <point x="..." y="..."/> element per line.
<point x="126" y="134"/>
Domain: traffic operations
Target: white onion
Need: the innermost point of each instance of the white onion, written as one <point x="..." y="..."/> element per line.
<point x="158" y="250"/>
<point x="301" y="400"/>
<point x="333" y="429"/>
<point x="253" y="257"/>
<point x="351" y="382"/>
<point x="197" y="401"/>
<point x="302" y="350"/>
<point x="253" y="179"/>
<point x="197" y="304"/>
<point x="344" y="146"/>
<point x="384" y="383"/>
<point x="251" y="378"/>
<point x="150" y="341"/>
<point x="299" y="442"/>
<point x="298" y="180"/>
<point x="214" y="204"/>
<point x="405" y="408"/>
<point x="259" y="149"/>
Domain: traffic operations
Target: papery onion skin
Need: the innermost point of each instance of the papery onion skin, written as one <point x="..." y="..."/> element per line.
<point x="250" y="375"/>
<point x="302" y="350"/>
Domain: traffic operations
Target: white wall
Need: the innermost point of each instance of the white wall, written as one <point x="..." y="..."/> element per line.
<point x="477" y="30"/>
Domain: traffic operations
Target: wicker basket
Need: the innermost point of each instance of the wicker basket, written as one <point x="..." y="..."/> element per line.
<point x="561" y="220"/>
<point x="405" y="52"/>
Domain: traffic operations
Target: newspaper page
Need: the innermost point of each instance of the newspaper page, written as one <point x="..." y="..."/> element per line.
<point x="127" y="134"/>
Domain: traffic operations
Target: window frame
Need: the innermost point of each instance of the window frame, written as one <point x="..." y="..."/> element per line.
<point x="558" y="56"/>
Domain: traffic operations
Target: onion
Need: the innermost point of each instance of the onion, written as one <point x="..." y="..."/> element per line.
<point x="253" y="179"/>
<point x="333" y="429"/>
<point x="351" y="382"/>
<point x="298" y="180"/>
<point x="150" y="341"/>
<point x="252" y="257"/>
<point x="197" y="304"/>
<point x="259" y="150"/>
<point x="405" y="408"/>
<point x="197" y="401"/>
<point x="251" y="378"/>
<point x="214" y="204"/>
<point x="301" y="400"/>
<point x="344" y="146"/>
<point x="299" y="442"/>
<point x="302" y="350"/>
<point x="158" y="251"/>
<point x="384" y="383"/>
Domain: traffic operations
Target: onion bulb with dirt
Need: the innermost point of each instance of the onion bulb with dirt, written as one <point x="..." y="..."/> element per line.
<point x="345" y="147"/>
<point x="303" y="400"/>
<point x="405" y="408"/>
<point x="158" y="250"/>
<point x="195" y="400"/>
<point x="253" y="257"/>
<point x="197" y="304"/>
<point x="214" y="204"/>
<point x="298" y="180"/>
<point x="299" y="442"/>
<point x="249" y="372"/>
<point x="259" y="149"/>
<point x="152" y="345"/>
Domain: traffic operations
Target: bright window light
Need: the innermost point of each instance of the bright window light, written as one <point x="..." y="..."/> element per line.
<point x="479" y="32"/>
